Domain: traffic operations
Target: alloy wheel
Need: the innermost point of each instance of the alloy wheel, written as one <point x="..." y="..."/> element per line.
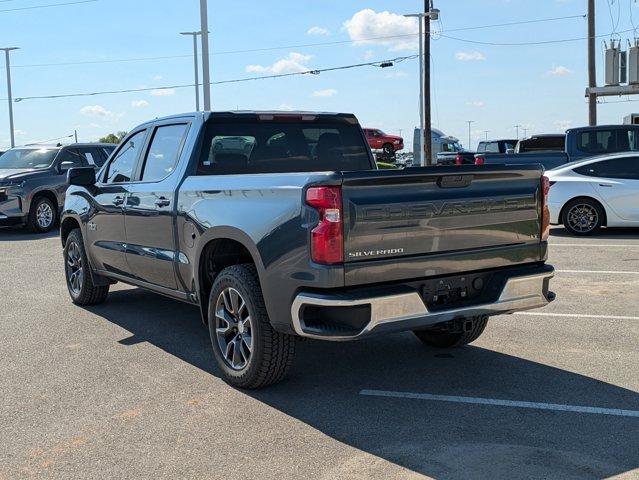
<point x="233" y="329"/>
<point x="44" y="215"/>
<point x="583" y="218"/>
<point x="75" y="272"/>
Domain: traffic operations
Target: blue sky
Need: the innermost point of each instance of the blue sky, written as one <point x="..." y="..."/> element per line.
<point x="539" y="87"/>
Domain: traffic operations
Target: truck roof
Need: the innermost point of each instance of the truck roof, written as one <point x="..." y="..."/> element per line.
<point x="254" y="113"/>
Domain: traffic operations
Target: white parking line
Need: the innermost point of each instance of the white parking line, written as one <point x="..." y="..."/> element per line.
<point x="630" y="245"/>
<point x="503" y="403"/>
<point x="605" y="272"/>
<point x="576" y="315"/>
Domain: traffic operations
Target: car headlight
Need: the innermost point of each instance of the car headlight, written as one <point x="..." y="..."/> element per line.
<point x="12" y="184"/>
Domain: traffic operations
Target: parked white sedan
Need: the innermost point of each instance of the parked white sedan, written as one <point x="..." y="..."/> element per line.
<point x="600" y="191"/>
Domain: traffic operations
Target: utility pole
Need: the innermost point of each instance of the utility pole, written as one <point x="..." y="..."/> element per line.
<point x="428" y="127"/>
<point x="517" y="128"/>
<point x="525" y="133"/>
<point x="75" y="134"/>
<point x="206" y="75"/>
<point x="486" y="134"/>
<point x="197" y="75"/>
<point x="8" y="67"/>
<point x="425" y="126"/>
<point x="592" y="67"/>
<point x="469" y="122"/>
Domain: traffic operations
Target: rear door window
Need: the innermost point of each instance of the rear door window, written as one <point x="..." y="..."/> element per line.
<point x="164" y="152"/>
<point x="281" y="147"/>
<point x="621" y="168"/>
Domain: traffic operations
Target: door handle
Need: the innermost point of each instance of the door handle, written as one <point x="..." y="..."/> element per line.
<point x="117" y="201"/>
<point x="163" y="202"/>
<point x="605" y="185"/>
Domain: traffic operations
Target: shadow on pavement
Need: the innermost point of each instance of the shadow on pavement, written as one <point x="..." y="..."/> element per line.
<point x="437" y="439"/>
<point x="604" y="234"/>
<point x="20" y="234"/>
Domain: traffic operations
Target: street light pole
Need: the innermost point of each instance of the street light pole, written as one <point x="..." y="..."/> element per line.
<point x="469" y="122"/>
<point x="8" y="67"/>
<point x="206" y="75"/>
<point x="517" y="127"/>
<point x="486" y="134"/>
<point x="195" y="62"/>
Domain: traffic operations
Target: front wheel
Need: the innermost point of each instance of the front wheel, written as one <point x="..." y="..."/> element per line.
<point x="79" y="280"/>
<point x="250" y="353"/>
<point x="388" y="150"/>
<point x="43" y="216"/>
<point x="437" y="339"/>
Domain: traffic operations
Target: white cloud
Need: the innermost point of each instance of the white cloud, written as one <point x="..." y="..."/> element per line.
<point x="470" y="56"/>
<point x="139" y="103"/>
<point x="17" y="131"/>
<point x="395" y="74"/>
<point x="329" y="92"/>
<point x="562" y="125"/>
<point x="163" y="92"/>
<point x="96" y="111"/>
<point x="366" y="25"/>
<point x="318" y="31"/>
<point x="286" y="107"/>
<point x="157" y="78"/>
<point x="477" y="103"/>
<point x="292" y="63"/>
<point x="369" y="54"/>
<point x="559" y="71"/>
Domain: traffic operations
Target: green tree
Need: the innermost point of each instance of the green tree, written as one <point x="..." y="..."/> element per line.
<point x="113" y="137"/>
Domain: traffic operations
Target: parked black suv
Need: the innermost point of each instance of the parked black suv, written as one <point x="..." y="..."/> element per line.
<point x="33" y="181"/>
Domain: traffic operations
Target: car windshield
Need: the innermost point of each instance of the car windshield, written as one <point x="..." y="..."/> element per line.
<point x="27" y="158"/>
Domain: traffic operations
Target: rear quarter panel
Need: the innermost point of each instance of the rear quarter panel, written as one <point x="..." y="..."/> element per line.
<point x="266" y="214"/>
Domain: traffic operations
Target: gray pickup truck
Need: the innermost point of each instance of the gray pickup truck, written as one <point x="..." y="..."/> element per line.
<point x="554" y="151"/>
<point x="33" y="180"/>
<point x="279" y="225"/>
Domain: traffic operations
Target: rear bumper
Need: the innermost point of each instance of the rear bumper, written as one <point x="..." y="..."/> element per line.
<point x="402" y="308"/>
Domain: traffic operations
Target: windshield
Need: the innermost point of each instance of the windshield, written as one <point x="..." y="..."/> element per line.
<point x="27" y="158"/>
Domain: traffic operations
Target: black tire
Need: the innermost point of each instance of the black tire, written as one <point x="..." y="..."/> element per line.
<point x="84" y="292"/>
<point x="583" y="216"/>
<point x="38" y="225"/>
<point x="271" y="354"/>
<point x="388" y="150"/>
<point x="453" y="340"/>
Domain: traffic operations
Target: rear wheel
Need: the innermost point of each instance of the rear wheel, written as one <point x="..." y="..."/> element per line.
<point x="583" y="216"/>
<point x="250" y="353"/>
<point x="441" y="339"/>
<point x="79" y="280"/>
<point x="43" y="215"/>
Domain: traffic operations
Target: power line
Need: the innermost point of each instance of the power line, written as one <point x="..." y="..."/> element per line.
<point x="303" y="45"/>
<point x="48" y="6"/>
<point x="222" y="82"/>
<point x="519" y="44"/>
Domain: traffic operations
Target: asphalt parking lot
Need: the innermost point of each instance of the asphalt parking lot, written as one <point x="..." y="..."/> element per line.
<point x="128" y="389"/>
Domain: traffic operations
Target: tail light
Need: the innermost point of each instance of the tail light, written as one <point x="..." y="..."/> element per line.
<point x="327" y="238"/>
<point x="480" y="160"/>
<point x="459" y="160"/>
<point x="545" y="209"/>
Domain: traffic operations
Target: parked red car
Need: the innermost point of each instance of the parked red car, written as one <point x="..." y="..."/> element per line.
<point x="378" y="140"/>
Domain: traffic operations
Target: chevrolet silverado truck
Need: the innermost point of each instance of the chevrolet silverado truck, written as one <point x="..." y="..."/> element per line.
<point x="33" y="181"/>
<point x="279" y="226"/>
<point x="553" y="151"/>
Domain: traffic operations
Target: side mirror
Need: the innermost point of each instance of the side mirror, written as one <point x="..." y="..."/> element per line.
<point x="81" y="176"/>
<point x="65" y="166"/>
<point x="510" y="151"/>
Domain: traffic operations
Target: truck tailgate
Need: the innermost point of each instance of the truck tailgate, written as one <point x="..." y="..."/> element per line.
<point x="466" y="213"/>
